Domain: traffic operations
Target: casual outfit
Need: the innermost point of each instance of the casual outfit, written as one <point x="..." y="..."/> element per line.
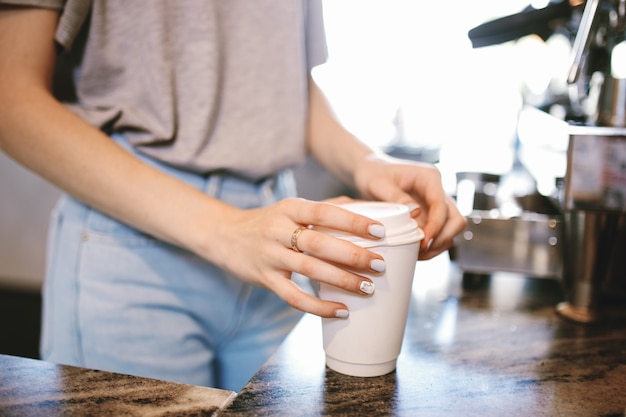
<point x="213" y="93"/>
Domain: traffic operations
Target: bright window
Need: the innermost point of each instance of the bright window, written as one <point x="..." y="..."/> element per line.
<point x="415" y="57"/>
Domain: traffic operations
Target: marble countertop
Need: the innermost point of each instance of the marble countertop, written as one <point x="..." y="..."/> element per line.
<point x="32" y="388"/>
<point x="489" y="346"/>
<point x="474" y="346"/>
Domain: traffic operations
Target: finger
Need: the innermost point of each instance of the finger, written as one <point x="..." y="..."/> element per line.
<point x="385" y="190"/>
<point x="454" y="224"/>
<point x="337" y="251"/>
<point x="299" y="299"/>
<point x="342" y="199"/>
<point x="335" y="217"/>
<point x="326" y="272"/>
<point x="434" y="218"/>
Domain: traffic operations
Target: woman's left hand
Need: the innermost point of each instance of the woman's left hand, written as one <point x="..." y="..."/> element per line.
<point x="418" y="185"/>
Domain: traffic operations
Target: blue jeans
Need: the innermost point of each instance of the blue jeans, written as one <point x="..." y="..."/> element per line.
<point x="119" y="300"/>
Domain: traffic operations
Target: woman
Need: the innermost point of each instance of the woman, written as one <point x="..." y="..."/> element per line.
<point x="172" y="253"/>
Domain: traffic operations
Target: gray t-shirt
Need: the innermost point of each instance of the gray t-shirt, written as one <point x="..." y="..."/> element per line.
<point x="203" y="85"/>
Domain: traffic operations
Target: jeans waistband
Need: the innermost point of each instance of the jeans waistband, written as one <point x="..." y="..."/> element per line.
<point x="211" y="182"/>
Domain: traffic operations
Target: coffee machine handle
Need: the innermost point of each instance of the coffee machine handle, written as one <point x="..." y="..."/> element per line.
<point x="582" y="40"/>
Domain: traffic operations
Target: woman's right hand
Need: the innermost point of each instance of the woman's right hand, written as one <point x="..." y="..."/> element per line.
<point x="256" y="245"/>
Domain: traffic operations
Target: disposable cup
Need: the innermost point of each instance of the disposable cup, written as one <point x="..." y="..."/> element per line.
<point x="368" y="342"/>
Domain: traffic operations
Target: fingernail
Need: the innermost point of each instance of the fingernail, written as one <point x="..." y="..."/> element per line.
<point x="367" y="287"/>
<point x="342" y="314"/>
<point x="378" y="265"/>
<point x="412" y="207"/>
<point x="429" y="244"/>
<point x="376" y="230"/>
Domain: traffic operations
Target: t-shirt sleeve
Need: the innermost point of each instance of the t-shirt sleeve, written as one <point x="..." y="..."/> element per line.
<point x="72" y="19"/>
<point x="316" y="47"/>
<point x="48" y="4"/>
<point x="73" y="15"/>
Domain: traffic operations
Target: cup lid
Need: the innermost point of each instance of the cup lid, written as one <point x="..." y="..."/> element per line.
<point x="400" y="228"/>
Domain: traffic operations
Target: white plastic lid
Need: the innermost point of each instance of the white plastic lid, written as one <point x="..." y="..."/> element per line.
<point x="400" y="228"/>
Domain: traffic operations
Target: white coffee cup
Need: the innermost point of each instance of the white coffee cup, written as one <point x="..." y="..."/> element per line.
<point x="368" y="342"/>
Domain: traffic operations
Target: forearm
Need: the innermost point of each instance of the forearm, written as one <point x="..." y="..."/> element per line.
<point x="43" y="135"/>
<point x="329" y="142"/>
<point x="48" y="139"/>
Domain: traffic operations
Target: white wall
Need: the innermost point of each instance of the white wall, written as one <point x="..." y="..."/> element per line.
<point x="25" y="205"/>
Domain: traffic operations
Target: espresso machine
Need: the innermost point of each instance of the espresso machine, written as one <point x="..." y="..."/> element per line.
<point x="573" y="147"/>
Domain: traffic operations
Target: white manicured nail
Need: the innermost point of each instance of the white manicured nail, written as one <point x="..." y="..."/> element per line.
<point x="378" y="265"/>
<point x="367" y="287"/>
<point x="377" y="230"/>
<point x="342" y="314"/>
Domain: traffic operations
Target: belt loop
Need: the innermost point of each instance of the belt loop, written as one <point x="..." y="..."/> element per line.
<point x="213" y="184"/>
<point x="268" y="189"/>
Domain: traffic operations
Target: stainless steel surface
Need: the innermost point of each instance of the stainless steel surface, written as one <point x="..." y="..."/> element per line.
<point x="588" y="170"/>
<point x="527" y="244"/>
<point x="582" y="166"/>
<point x="594" y="267"/>
<point x="596" y="173"/>
<point x="594" y="192"/>
<point x="583" y="40"/>
<point x="578" y="160"/>
<point x="600" y="30"/>
<point x="612" y="103"/>
<point x="506" y="232"/>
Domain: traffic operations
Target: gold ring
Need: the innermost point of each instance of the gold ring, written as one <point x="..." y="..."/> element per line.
<point x="294" y="239"/>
